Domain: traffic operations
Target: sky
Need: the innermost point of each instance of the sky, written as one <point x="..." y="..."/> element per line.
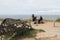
<point x="28" y="7"/>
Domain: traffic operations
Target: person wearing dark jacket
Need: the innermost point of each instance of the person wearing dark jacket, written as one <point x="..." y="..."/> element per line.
<point x="40" y="20"/>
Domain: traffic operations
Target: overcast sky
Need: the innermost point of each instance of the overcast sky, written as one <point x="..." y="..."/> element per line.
<point x="27" y="7"/>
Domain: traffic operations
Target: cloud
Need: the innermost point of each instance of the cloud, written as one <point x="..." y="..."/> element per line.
<point x="16" y="7"/>
<point x="36" y="4"/>
<point x="50" y="11"/>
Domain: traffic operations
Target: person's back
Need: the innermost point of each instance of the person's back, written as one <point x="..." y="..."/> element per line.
<point x="40" y="20"/>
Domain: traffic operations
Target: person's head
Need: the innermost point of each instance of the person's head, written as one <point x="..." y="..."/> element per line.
<point x="32" y="15"/>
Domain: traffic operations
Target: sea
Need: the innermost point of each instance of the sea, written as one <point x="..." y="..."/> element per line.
<point x="50" y="17"/>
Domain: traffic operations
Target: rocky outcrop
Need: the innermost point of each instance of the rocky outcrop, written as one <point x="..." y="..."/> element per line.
<point x="11" y="26"/>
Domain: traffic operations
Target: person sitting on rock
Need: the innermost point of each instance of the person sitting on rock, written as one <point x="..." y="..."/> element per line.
<point x="33" y="17"/>
<point x="40" y="20"/>
<point x="35" y="21"/>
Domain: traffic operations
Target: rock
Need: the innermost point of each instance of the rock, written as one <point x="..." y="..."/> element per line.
<point x="14" y="25"/>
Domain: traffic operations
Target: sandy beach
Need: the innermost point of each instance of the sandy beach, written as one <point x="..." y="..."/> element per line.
<point x="52" y="33"/>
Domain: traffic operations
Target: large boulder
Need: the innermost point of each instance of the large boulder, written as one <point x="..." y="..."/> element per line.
<point x="10" y="25"/>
